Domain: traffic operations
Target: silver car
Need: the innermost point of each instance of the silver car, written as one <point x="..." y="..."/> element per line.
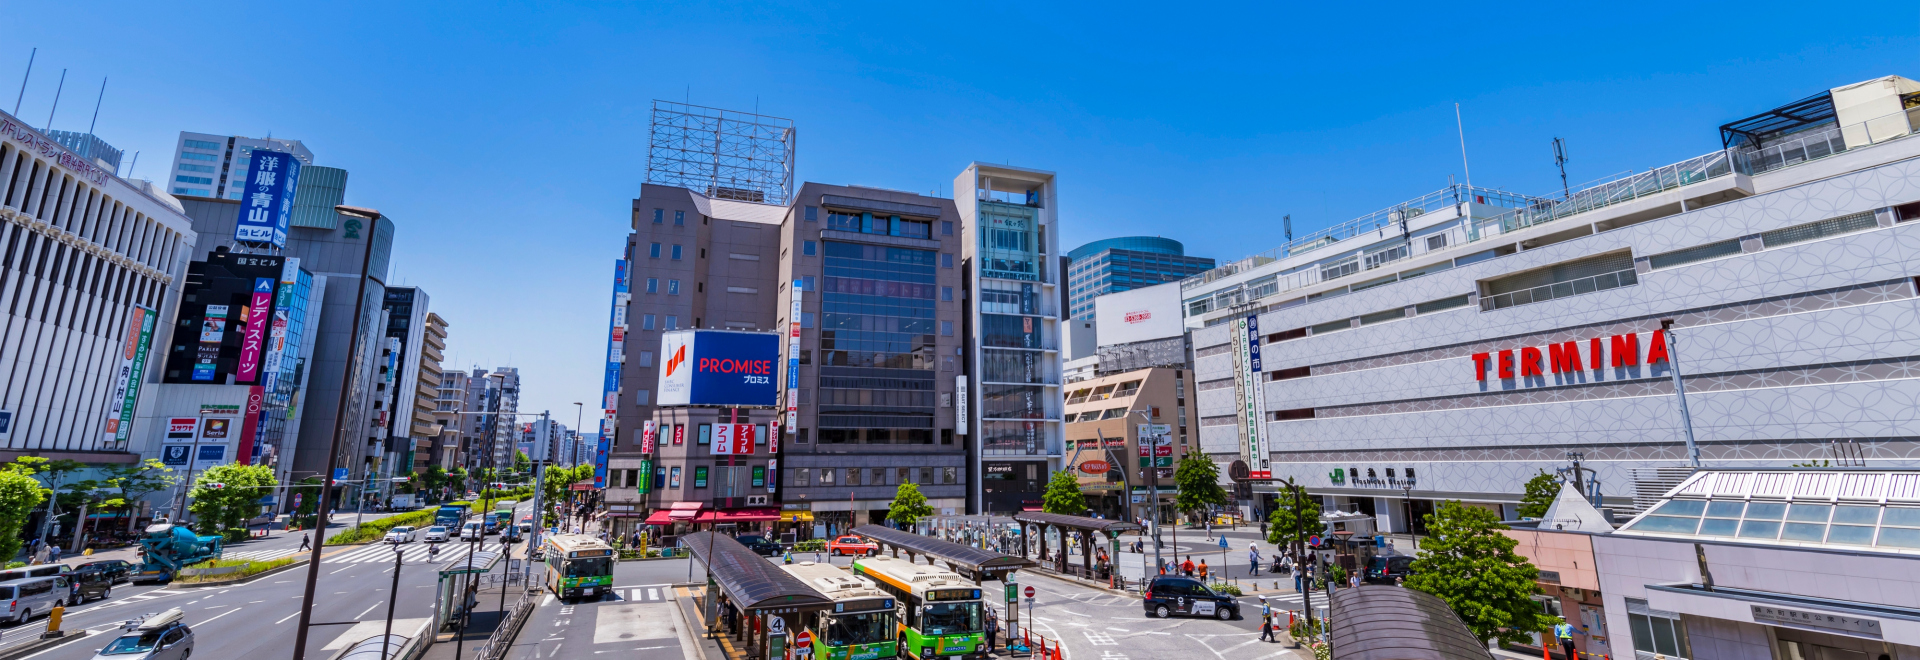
<point x="402" y="534"/>
<point x="160" y="636"/>
<point x="436" y="534"/>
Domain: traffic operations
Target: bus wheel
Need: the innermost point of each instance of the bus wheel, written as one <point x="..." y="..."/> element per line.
<point x="900" y="650"/>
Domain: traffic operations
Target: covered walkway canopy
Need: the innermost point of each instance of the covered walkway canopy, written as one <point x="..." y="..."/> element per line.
<point x="1082" y="526"/>
<point x="748" y="580"/>
<point x="1396" y="623"/>
<point x="974" y="563"/>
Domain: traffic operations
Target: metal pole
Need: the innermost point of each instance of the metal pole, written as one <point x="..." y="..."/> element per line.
<point x="1680" y="390"/>
<point x="393" y="595"/>
<point x="539" y="514"/>
<point x="1300" y="561"/>
<point x="333" y="455"/>
<point x="23" y="81"/>
<point x="466" y="611"/>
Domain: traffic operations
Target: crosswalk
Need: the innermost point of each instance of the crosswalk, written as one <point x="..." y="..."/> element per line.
<point x="261" y="555"/>
<point x="412" y="553"/>
<point x="648" y="594"/>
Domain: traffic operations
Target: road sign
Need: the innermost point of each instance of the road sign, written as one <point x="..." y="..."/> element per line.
<point x="1029" y="592"/>
<point x="804" y="639"/>
<point x="1223" y="543"/>
<point x="776" y="625"/>
<point x="339" y="474"/>
<point x="1313" y="540"/>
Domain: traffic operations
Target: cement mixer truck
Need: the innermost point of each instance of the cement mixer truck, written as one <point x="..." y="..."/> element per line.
<point x="168" y="548"/>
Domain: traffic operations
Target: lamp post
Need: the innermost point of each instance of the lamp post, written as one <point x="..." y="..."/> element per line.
<point x="1153" y="492"/>
<point x="393" y="596"/>
<point x="1680" y="390"/>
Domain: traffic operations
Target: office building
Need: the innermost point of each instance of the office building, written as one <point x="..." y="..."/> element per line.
<point x="207" y="165"/>
<point x="427" y="427"/>
<point x="1009" y="216"/>
<point x="91" y="270"/>
<point x="1122" y="264"/>
<point x="1455" y="345"/>
<point x="503" y="408"/>
<point x="1109" y="419"/>
<point x="456" y="395"/>
<point x="407" y="385"/>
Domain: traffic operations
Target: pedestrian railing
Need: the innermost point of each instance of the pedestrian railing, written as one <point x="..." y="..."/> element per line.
<point x="501" y="641"/>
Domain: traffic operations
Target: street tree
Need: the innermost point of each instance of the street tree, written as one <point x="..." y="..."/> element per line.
<point x="1199" y="482"/>
<point x="459" y="481"/>
<point x="1540" y="493"/>
<point x="1063" y="495"/>
<point x="522" y="465"/>
<point x="307" y="493"/>
<point x="20" y="494"/>
<point x="1290" y="522"/>
<point x="909" y="506"/>
<point x="53" y="476"/>
<point x="225" y="496"/>
<point x="138" y="480"/>
<point x="1468" y="563"/>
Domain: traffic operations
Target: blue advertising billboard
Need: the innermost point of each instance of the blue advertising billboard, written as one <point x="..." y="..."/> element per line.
<point x="266" y="206"/>
<point x="718" y="368"/>
<point x="610" y="389"/>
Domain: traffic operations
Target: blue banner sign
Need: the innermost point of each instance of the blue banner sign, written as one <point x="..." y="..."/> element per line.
<point x="267" y="202"/>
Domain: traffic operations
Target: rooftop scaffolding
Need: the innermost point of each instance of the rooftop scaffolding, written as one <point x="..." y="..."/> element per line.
<point x="722" y="154"/>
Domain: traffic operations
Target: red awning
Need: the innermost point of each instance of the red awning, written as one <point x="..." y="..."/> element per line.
<point x="685" y="510"/>
<point x="584" y="485"/>
<point x="687" y="505"/>
<point x="659" y="517"/>
<point x="740" y="515"/>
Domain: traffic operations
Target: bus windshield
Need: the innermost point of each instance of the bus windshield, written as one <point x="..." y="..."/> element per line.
<point x="952" y="619"/>
<point x="867" y="628"/>
<point x="591" y="567"/>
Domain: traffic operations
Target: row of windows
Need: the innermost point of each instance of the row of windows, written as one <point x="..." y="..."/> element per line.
<point x="193" y="156"/>
<point x="203" y="144"/>
<point x="206" y="169"/>
<point x="879" y="476"/>
<point x="205" y="181"/>
<point x="653" y="251"/>
<point x="679" y="217"/>
<point x="673" y="286"/>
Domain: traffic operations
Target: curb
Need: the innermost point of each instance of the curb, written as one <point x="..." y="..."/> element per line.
<point x="38" y="645"/>
<point x="223" y="583"/>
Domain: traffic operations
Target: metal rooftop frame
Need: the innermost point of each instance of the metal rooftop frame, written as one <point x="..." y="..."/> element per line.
<point x="973" y="562"/>
<point x="1752" y="131"/>
<point x="723" y="154"/>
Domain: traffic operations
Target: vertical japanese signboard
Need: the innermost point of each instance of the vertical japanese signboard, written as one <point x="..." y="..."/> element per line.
<point x="610" y="387"/>
<point x="133" y="364"/>
<point x="213" y="327"/>
<point x="277" y="337"/>
<point x="272" y="178"/>
<point x="733" y="439"/>
<point x="1251" y="389"/>
<point x="793" y="361"/>
<point x="253" y="339"/>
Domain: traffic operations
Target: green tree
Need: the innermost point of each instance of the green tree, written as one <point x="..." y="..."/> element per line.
<point x="1063" y="495"/>
<point x="20" y="494"/>
<point x="234" y="500"/>
<point x="52" y="475"/>
<point x="909" y="506"/>
<point x="1468" y="563"/>
<point x="1540" y="492"/>
<point x="1288" y="524"/>
<point x="1198" y="481"/>
<point x="308" y="491"/>
<point x="458" y="476"/>
<point x="138" y="480"/>
<point x="522" y="464"/>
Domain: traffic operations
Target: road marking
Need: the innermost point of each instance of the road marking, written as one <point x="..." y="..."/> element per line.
<point x="547" y="601"/>
<point x="284" y="619"/>
<point x="356" y="617"/>
<point x="216" y="616"/>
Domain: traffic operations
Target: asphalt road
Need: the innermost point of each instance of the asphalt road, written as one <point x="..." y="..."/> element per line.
<point x="259" y="618"/>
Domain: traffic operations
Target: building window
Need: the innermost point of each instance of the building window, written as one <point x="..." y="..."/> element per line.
<point x="808" y="248"/>
<point x="659" y="477"/>
<point x="653" y="285"/>
<point x="946" y="294"/>
<point x="946" y="436"/>
<point x="676" y="253"/>
<point x="673" y="287"/>
<point x="806" y="283"/>
<point x="946" y="260"/>
<point x="203" y="144"/>
<point x="643" y="397"/>
<point x="194" y="156"/>
<point x="813" y="214"/>
<point x="673" y="322"/>
<point x="700" y="476"/>
<point x="659" y="215"/>
<point x="194" y="179"/>
<point x="949" y="475"/>
<point x="1656" y="631"/>
<point x="853" y="476"/>
<point x="826" y="476"/>
<point x="926" y="475"/>
<point x="679" y="218"/>
<point x="806" y="319"/>
<point x="946" y="328"/>
<point x="801" y="437"/>
<point x="674" y="481"/>
<point x="946" y="227"/>
<point x="704" y="435"/>
<point x="801" y="477"/>
<point x="207" y="169"/>
<point x="646" y="322"/>
<point x="905" y="476"/>
<point x="653" y="250"/>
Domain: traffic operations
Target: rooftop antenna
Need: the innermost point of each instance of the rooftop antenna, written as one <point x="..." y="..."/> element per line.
<point x="1286" y="221"/>
<point x="56" y="98"/>
<point x="96" y="105"/>
<point x="1461" y="127"/>
<point x="136" y="163"/>
<point x="23" y="81"/>
<point x="1560" y="160"/>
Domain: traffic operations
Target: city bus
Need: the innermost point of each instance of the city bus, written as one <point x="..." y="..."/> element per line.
<point x="578" y="566"/>
<point x="863" y="621"/>
<point x="941" y="613"/>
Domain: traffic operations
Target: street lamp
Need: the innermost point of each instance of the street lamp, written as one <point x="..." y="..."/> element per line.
<point x="1680" y="390"/>
<point x="393" y="596"/>
<point x="1153" y="493"/>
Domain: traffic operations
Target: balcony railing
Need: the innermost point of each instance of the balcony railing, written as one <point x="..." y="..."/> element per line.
<point x="1559" y="290"/>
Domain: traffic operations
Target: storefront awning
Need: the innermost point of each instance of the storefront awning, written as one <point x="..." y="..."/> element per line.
<point x="685" y="511"/>
<point x="660" y="517"/>
<point x="740" y="515"/>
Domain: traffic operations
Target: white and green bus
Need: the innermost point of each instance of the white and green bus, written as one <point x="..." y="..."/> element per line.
<point x="862" y="622"/>
<point x="578" y="565"/>
<point x="941" y="612"/>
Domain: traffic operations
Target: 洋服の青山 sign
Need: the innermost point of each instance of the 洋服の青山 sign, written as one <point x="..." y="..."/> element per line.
<point x="1567" y="357"/>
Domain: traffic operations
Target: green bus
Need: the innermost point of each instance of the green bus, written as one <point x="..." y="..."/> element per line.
<point x="578" y="566"/>
<point x="941" y="613"/>
<point x="863" y="620"/>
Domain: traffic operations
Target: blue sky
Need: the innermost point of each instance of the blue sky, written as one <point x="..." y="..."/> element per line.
<point x="507" y="140"/>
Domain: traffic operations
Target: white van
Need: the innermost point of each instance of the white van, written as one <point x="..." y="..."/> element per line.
<point x="27" y="597"/>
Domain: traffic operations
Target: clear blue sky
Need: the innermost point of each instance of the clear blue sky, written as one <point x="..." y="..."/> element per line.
<point x="508" y="140"/>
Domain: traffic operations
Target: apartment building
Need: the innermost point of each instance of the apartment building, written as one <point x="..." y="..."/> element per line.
<point x="1125" y="433"/>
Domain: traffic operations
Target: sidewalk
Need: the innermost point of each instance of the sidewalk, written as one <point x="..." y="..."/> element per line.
<point x="486" y="618"/>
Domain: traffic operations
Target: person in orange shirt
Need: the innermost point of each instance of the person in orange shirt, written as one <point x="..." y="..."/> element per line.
<point x="1203" y="570"/>
<point x="1186" y="567"/>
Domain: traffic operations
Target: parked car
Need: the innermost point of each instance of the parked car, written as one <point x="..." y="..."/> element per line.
<point x="472" y="530"/>
<point x="89" y="585"/>
<point x="436" y="534"/>
<point x="1389" y="568"/>
<point x="1168" y="595"/>
<point x="117" y="570"/>
<point x="161" y="636"/>
<point x="26" y="597"/>
<point x="402" y="534"/>
<point x="851" y="545"/>
<point x="760" y="545"/>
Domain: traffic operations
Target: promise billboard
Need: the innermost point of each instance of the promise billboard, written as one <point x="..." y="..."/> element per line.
<point x="718" y="368"/>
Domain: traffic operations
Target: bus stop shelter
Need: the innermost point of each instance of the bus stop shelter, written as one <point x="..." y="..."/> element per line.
<point x="1038" y="523"/>
<point x="752" y="588"/>
<point x="1394" y="623"/>
<point x="458" y="586"/>
<point x="974" y="563"/>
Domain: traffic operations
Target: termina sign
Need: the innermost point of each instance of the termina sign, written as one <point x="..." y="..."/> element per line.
<point x="1621" y="351"/>
<point x="718" y="368"/>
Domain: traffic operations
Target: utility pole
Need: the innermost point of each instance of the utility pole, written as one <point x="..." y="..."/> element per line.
<point x="539" y="514"/>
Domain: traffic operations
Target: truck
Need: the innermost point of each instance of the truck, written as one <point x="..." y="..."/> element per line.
<point x="450" y="515"/>
<point x="167" y="548"/>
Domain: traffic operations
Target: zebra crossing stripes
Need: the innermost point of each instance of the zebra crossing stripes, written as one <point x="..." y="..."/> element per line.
<point x="261" y="555"/>
<point x="411" y="553"/>
<point x="648" y="594"/>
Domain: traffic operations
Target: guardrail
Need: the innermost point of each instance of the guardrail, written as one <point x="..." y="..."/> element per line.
<point x="1546" y="292"/>
<point x="501" y="641"/>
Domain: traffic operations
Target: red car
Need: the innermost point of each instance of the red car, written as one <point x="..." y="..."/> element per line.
<point x="851" y="545"/>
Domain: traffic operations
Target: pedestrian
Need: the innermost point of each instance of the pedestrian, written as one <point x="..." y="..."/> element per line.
<point x="993" y="629"/>
<point x="1203" y="570"/>
<point x="1266" y="621"/>
<point x="1186" y="567"/>
<point x="433" y="550"/>
<point x="1253" y="557"/>
<point x="53" y="553"/>
<point x="306" y="543"/>
<point x="1564" y="632"/>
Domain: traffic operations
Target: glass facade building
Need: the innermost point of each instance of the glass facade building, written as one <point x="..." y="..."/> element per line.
<point x="877" y="335"/>
<point x="1125" y="263"/>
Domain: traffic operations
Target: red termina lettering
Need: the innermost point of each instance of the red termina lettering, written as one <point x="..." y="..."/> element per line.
<point x="1564" y="358"/>
<point x="1626" y="350"/>
<point x="1480" y="361"/>
<point x="1506" y="364"/>
<point x="1657" y="352"/>
<point x="1593" y="354"/>
<point x="1529" y="362"/>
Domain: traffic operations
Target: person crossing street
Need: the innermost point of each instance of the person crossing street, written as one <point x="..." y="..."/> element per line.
<point x="1266" y="621"/>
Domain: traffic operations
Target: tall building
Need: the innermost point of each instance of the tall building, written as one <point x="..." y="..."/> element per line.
<point x="456" y="438"/>
<point x="1122" y="264"/>
<point x="407" y="386"/>
<point x="1009" y="246"/>
<point x="207" y="165"/>
<point x="503" y="407"/>
<point x="1455" y="345"/>
<point x="91" y="269"/>
<point x="1109" y="420"/>
<point x="427" y="427"/>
